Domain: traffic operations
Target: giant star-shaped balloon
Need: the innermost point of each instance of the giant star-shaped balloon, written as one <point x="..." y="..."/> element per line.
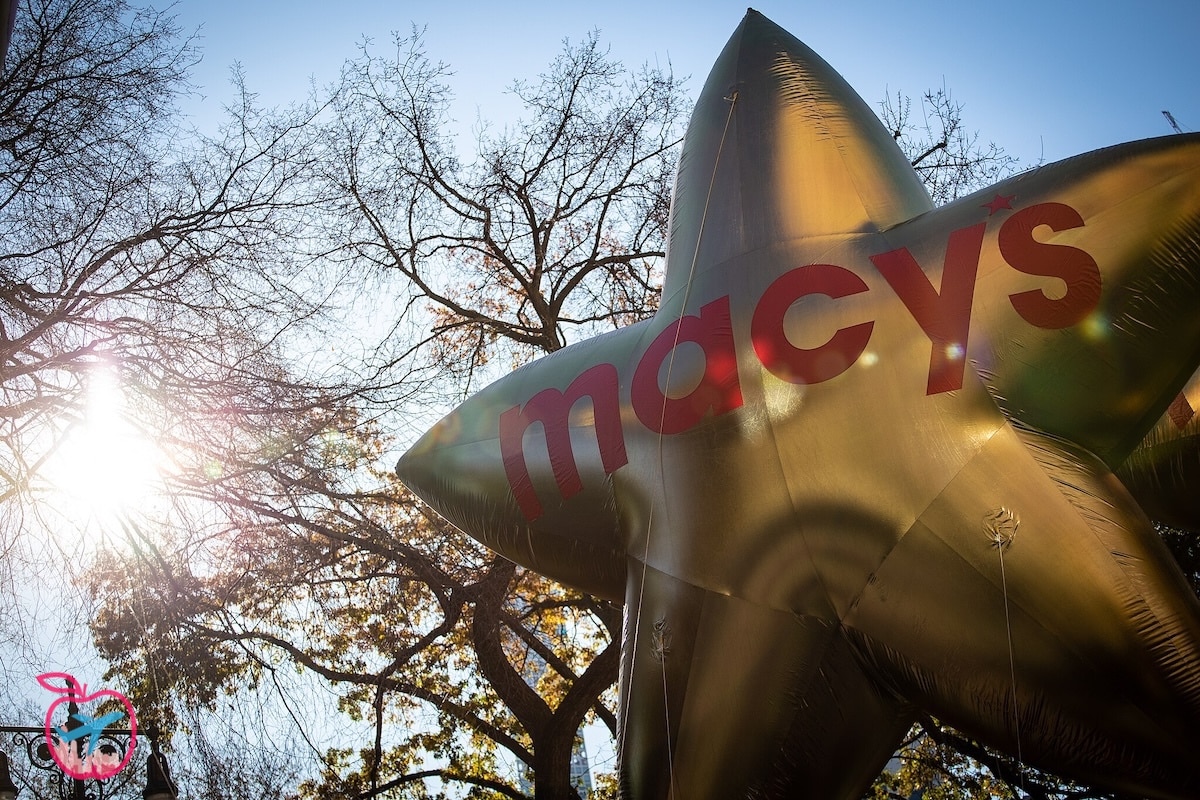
<point x="861" y="460"/>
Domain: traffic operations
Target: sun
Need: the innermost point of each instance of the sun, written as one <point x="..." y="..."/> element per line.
<point x="104" y="467"/>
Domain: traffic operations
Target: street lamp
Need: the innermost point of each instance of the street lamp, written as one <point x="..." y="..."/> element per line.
<point x="159" y="785"/>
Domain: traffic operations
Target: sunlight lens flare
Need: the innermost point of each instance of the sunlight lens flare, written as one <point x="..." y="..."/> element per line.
<point x="105" y="466"/>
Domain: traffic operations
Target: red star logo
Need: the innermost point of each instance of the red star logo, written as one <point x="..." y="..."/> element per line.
<point x="1181" y="411"/>
<point x="1001" y="202"/>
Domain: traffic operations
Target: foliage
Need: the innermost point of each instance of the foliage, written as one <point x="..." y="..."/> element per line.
<point x="429" y="640"/>
<point x="937" y="762"/>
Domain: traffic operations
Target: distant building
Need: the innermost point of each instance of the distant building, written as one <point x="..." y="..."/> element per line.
<point x="581" y="773"/>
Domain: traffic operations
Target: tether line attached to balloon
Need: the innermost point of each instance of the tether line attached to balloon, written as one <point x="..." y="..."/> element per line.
<point x="1001" y="540"/>
<point x="667" y="721"/>
<point x="687" y="291"/>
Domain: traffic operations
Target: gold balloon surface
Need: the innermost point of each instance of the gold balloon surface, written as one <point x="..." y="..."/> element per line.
<point x="1163" y="472"/>
<point x="863" y="460"/>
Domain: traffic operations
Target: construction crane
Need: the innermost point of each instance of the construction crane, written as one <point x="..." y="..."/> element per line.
<point x="1171" y="121"/>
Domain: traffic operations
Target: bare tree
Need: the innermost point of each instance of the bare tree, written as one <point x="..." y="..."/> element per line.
<point x="134" y="251"/>
<point x="951" y="159"/>
<point x="121" y="250"/>
<point x="553" y="227"/>
<point x="299" y="551"/>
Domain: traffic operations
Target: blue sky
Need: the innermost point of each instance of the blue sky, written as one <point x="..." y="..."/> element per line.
<point x="1045" y="79"/>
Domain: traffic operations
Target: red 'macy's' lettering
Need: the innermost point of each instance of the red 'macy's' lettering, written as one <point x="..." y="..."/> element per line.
<point x="943" y="314"/>
<point x="1072" y="266"/>
<point x="552" y="409"/>
<point x="719" y="390"/>
<point x="807" y="365"/>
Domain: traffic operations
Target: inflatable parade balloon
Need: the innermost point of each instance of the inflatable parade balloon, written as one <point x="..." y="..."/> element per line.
<point x="862" y="462"/>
